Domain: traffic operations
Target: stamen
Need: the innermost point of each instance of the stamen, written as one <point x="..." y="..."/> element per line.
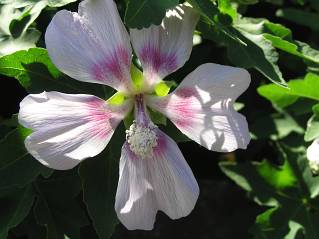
<point x="142" y="139"/>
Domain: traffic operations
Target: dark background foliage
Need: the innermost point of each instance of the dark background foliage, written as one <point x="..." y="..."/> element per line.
<point x="36" y="202"/>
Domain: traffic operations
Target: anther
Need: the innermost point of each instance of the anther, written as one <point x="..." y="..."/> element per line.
<point x="142" y="139"/>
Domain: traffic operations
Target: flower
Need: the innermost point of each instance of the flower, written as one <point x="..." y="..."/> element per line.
<point x="94" y="46"/>
<point x="313" y="156"/>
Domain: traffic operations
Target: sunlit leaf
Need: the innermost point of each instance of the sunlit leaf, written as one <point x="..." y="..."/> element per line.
<point x="291" y="186"/>
<point x="142" y="13"/>
<point x="282" y="97"/>
<point x="36" y="73"/>
<point x="252" y="50"/>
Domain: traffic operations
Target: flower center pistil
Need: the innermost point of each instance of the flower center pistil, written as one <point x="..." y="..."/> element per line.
<point x="142" y="134"/>
<point x="142" y="139"/>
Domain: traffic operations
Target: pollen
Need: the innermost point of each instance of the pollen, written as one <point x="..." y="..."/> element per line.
<point x="142" y="139"/>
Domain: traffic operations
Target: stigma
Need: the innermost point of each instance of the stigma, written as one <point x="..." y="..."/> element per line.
<point x="142" y="139"/>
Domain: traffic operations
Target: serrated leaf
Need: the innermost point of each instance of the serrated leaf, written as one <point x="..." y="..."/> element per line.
<point x="36" y="73"/>
<point x="282" y="97"/>
<point x="99" y="177"/>
<point x="142" y="13"/>
<point x="281" y="38"/>
<point x="15" y="206"/>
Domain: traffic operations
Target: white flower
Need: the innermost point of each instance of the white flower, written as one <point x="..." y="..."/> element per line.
<point x="93" y="46"/>
<point x="313" y="156"/>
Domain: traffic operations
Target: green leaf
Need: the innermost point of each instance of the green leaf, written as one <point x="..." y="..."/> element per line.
<point x="57" y="207"/>
<point x="275" y="126"/>
<point x="99" y="177"/>
<point x="17" y="17"/>
<point x="10" y="43"/>
<point x="9" y="174"/>
<point x="287" y="222"/>
<point x="226" y="7"/>
<point x="156" y="117"/>
<point x="282" y="97"/>
<point x="300" y="17"/>
<point x="30" y="228"/>
<point x="281" y="38"/>
<point x="15" y="160"/>
<point x="50" y="3"/>
<point x="36" y="73"/>
<point x="25" y="38"/>
<point x="291" y="188"/>
<point x="215" y="19"/>
<point x="279" y="177"/>
<point x="15" y="206"/>
<point x="12" y="147"/>
<point x="246" y="45"/>
<point x="247" y="2"/>
<point x="252" y="50"/>
<point x="312" y="131"/>
<point x="257" y="179"/>
<point x="142" y="13"/>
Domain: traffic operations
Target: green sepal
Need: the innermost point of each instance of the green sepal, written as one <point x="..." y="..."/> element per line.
<point x="163" y="88"/>
<point x="117" y="99"/>
<point x="137" y="78"/>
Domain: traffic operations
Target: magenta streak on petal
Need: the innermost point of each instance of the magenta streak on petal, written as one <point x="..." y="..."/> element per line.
<point x="113" y="66"/>
<point x="158" y="60"/>
<point x="129" y="151"/>
<point x="183" y="106"/>
<point x="161" y="144"/>
<point x="101" y="118"/>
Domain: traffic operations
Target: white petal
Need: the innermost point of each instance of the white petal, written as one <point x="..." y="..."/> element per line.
<point x="313" y="152"/>
<point x="68" y="128"/>
<point x="91" y="46"/>
<point x="165" y="48"/>
<point x="202" y="107"/>
<point x="162" y="182"/>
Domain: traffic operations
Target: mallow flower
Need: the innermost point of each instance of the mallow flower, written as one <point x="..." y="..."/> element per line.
<point x="313" y="156"/>
<point x="94" y="46"/>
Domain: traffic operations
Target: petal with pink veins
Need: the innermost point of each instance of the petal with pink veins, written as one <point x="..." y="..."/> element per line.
<point x="92" y="45"/>
<point x="165" y="48"/>
<point x="68" y="128"/>
<point x="202" y="107"/>
<point x="162" y="182"/>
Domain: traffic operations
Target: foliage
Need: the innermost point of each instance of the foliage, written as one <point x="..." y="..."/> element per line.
<point x="282" y="108"/>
